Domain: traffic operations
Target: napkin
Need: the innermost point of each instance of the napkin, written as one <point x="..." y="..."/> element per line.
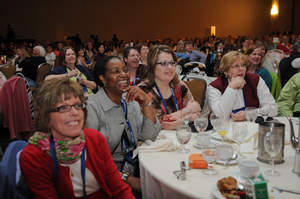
<point x="161" y="144"/>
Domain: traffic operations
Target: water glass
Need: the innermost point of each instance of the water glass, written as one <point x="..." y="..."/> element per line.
<point x="183" y="135"/>
<point x="201" y="124"/>
<point x="273" y="145"/>
<point x="251" y="113"/>
<point x="210" y="156"/>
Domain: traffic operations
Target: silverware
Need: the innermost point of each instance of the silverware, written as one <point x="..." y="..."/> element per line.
<point x="180" y="174"/>
<point x="286" y="190"/>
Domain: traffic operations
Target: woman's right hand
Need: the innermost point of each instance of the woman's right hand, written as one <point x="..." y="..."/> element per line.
<point x="72" y="73"/>
<point x="237" y="82"/>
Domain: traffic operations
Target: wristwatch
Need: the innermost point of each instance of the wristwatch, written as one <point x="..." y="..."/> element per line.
<point x="125" y="176"/>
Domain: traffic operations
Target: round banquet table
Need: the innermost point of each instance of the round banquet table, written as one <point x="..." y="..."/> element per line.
<point x="159" y="182"/>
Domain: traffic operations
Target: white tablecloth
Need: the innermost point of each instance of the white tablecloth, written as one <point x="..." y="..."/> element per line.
<point x="158" y="181"/>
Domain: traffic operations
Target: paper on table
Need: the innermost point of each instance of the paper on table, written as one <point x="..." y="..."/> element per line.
<point x="159" y="145"/>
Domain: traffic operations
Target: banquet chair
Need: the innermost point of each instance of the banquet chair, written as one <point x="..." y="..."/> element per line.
<point x="198" y="90"/>
<point x="15" y="107"/>
<point x="43" y="69"/>
<point x="8" y="71"/>
<point x="10" y="171"/>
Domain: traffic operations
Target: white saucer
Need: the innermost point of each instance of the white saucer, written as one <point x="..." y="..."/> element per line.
<point x="211" y="146"/>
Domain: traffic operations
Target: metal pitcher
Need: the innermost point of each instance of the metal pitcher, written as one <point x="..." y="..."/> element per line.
<point x="296" y="144"/>
<point x="264" y="128"/>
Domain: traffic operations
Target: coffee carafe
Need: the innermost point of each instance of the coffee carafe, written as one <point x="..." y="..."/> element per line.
<point x="275" y="128"/>
<point x="296" y="145"/>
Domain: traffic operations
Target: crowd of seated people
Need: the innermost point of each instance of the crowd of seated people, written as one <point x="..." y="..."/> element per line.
<point x="129" y="91"/>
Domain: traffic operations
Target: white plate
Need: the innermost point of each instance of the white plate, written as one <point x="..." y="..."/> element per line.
<point x="231" y="162"/>
<point x="273" y="193"/>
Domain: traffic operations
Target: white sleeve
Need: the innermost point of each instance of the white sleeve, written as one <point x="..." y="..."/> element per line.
<point x="222" y="105"/>
<point x="267" y="102"/>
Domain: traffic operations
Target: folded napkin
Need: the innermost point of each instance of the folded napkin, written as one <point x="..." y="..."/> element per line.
<point x="161" y="144"/>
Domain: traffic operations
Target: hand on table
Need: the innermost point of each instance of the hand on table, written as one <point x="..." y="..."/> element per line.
<point x="239" y="116"/>
<point x="171" y="125"/>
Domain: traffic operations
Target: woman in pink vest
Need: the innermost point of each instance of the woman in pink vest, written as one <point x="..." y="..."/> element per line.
<point x="235" y="89"/>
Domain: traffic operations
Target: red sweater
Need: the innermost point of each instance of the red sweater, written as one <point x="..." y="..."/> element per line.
<point x="37" y="168"/>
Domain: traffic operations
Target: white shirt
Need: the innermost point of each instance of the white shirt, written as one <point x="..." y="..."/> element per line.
<point x="222" y="105"/>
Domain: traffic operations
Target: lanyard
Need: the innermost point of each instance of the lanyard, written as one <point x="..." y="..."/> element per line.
<point x="55" y="166"/>
<point x="243" y="108"/>
<point x="126" y="143"/>
<point x="133" y="83"/>
<point x="163" y="101"/>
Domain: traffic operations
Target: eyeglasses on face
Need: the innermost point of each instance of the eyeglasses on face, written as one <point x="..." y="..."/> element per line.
<point x="166" y="63"/>
<point x="67" y="108"/>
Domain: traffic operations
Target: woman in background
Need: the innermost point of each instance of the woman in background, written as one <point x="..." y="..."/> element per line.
<point x="172" y="99"/>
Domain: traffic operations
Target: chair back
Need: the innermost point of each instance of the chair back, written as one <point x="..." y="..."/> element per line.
<point x="198" y="90"/>
<point x="8" y="71"/>
<point x="10" y="170"/>
<point x="43" y="69"/>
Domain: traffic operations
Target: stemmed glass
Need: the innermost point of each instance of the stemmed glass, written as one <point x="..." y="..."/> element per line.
<point x="201" y="124"/>
<point x="273" y="144"/>
<point x="239" y="134"/>
<point x="183" y="135"/>
<point x="251" y="113"/>
<point x="220" y="125"/>
<point x="210" y="156"/>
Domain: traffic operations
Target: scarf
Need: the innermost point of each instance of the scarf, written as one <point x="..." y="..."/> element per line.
<point x="67" y="151"/>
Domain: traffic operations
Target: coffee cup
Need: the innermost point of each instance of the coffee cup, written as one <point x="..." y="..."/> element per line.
<point x="248" y="168"/>
<point x="224" y="152"/>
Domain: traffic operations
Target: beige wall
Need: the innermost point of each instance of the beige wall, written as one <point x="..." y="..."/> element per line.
<point x="141" y="19"/>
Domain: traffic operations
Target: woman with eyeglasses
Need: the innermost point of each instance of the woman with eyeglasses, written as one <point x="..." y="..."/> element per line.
<point x="123" y="114"/>
<point x="235" y="90"/>
<point x="172" y="99"/>
<point x="63" y="159"/>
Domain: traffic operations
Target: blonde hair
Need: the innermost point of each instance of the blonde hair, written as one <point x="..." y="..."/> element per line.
<point x="229" y="58"/>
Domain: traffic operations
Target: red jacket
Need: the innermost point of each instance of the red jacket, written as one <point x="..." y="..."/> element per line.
<point x="37" y="168"/>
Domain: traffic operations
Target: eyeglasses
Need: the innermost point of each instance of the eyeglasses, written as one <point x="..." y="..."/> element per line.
<point x="67" y="108"/>
<point x="166" y="63"/>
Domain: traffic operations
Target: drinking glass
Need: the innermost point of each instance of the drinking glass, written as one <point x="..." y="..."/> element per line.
<point x="273" y="144"/>
<point x="210" y="156"/>
<point x="239" y="134"/>
<point x="251" y="113"/>
<point x="213" y="120"/>
<point x="222" y="127"/>
<point x="183" y="135"/>
<point x="201" y="124"/>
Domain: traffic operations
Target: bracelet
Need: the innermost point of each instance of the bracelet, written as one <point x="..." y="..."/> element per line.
<point x="125" y="176"/>
<point x="149" y="104"/>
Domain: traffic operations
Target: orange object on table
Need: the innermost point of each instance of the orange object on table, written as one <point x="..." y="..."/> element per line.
<point x="196" y="161"/>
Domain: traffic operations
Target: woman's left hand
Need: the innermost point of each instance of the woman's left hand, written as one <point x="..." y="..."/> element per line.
<point x="137" y="94"/>
<point x="171" y="125"/>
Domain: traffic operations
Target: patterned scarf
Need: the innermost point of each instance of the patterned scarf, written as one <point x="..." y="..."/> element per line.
<point x="67" y="151"/>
